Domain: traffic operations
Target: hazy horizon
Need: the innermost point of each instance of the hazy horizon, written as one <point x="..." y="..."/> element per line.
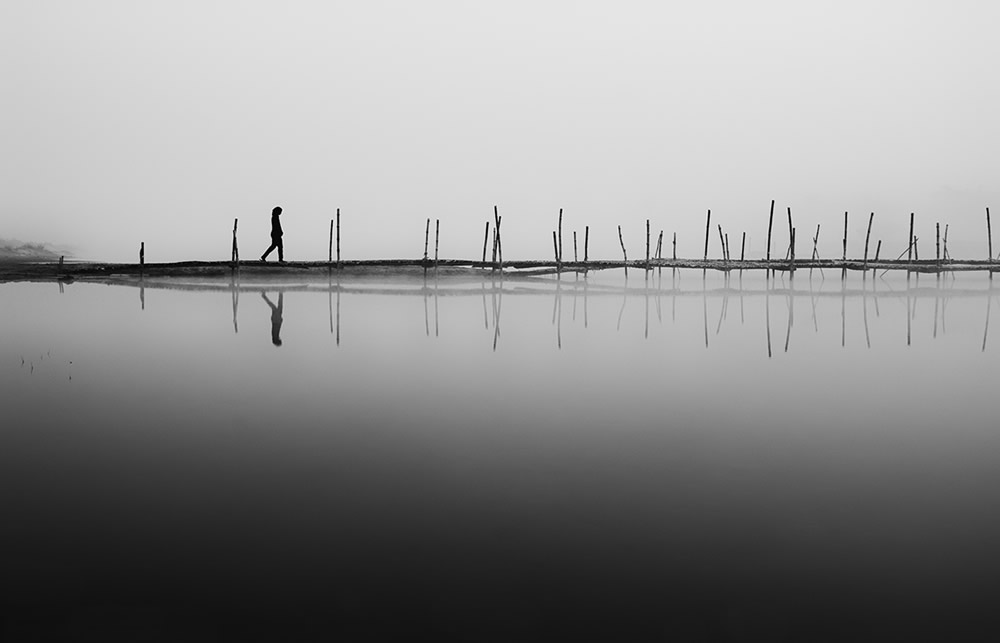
<point x="162" y="122"/>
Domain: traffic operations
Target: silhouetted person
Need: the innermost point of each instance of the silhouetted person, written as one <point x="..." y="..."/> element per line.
<point x="275" y="316"/>
<point x="275" y="236"/>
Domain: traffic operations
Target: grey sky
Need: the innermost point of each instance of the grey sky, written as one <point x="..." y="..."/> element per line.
<point x="162" y="121"/>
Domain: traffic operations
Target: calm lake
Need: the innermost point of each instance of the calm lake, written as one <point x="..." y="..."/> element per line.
<point x="494" y="460"/>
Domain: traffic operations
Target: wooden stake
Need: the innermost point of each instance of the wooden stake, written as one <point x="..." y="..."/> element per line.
<point x="427" y="238"/>
<point x="559" y="258"/>
<point x="647" y="244"/>
<point x="845" y="238"/>
<point x="937" y="243"/>
<point x="499" y="242"/>
<point x="770" y="223"/>
<point x="789" y="225"/>
<point x="437" y="238"/>
<point x="871" y="217"/>
<point x="989" y="235"/>
<point x="486" y="237"/>
<point x="792" y="251"/>
<point x="909" y="251"/>
<point x="624" y="254"/>
<point x="708" y="226"/>
<point x="236" y="249"/>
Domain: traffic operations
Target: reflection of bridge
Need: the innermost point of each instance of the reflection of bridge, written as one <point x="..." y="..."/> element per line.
<point x="654" y="289"/>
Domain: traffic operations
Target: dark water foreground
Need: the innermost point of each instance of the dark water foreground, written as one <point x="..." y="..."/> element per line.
<point x="476" y="460"/>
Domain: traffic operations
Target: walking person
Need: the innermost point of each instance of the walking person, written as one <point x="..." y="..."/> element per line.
<point x="275" y="236"/>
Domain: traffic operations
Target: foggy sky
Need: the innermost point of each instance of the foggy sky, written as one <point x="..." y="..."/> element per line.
<point x="163" y="121"/>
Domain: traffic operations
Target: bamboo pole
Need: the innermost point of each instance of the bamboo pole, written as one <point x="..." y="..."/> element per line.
<point x="989" y="236"/>
<point x="878" y="249"/>
<point x="555" y="248"/>
<point x="937" y="244"/>
<point x="338" y="237"/>
<point x="586" y="242"/>
<point x="770" y="223"/>
<point x="789" y="225"/>
<point x="236" y="248"/>
<point x="574" y="247"/>
<point x="647" y="245"/>
<point x="708" y="226"/>
<point x="329" y="255"/>
<point x="142" y="256"/>
<point x="499" y="242"/>
<point x="722" y="242"/>
<point x="843" y="272"/>
<point x="559" y="258"/>
<point x="437" y="239"/>
<point x="427" y="238"/>
<point x="909" y="250"/>
<point x="791" y="250"/>
<point x="815" y="254"/>
<point x="675" y="247"/>
<point x="871" y="217"/>
<point x="743" y="247"/>
<point x="947" y="257"/>
<point x="486" y="238"/>
<point x="624" y="254"/>
<point x="728" y="257"/>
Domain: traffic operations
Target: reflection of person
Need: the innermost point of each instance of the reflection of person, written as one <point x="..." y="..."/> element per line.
<point x="275" y="316"/>
<point x="275" y="236"/>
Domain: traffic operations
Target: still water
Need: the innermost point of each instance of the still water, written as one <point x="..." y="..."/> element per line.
<point x="487" y="460"/>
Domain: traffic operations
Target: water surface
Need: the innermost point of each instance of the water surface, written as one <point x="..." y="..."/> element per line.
<point x="484" y="459"/>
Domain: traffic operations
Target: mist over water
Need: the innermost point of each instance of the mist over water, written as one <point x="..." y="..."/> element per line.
<point x="475" y="458"/>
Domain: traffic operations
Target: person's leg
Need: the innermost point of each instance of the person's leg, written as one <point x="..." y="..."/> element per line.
<point x="275" y="243"/>
<point x="281" y="249"/>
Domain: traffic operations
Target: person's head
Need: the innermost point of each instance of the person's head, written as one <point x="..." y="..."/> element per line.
<point x="276" y="210"/>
